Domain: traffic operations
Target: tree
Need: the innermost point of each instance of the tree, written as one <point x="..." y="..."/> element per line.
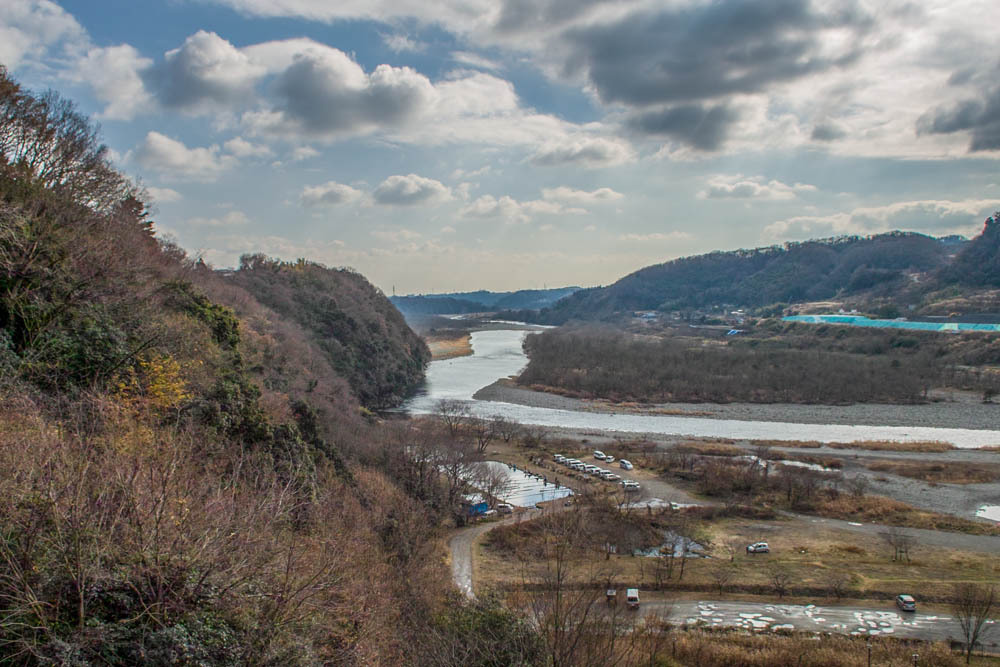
<point x="722" y="574"/>
<point x="453" y="414"/>
<point x="901" y="542"/>
<point x="506" y="429"/>
<point x="973" y="606"/>
<point x="483" y="431"/>
<point x="492" y="480"/>
<point x="780" y="579"/>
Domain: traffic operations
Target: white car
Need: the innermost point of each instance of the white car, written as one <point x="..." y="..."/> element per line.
<point x="625" y="465"/>
<point x="758" y="548"/>
<point x="599" y="455"/>
<point x="505" y="508"/>
<point x="591" y="469"/>
<point x="629" y="485"/>
<point x="608" y="458"/>
<point x="559" y="458"/>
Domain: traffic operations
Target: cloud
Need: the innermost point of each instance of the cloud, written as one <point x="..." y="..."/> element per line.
<point x="205" y="72"/>
<point x="410" y="190"/>
<point x="395" y="235"/>
<point x="330" y="193"/>
<point x="325" y="94"/>
<point x="164" y="195"/>
<point x="828" y="132"/>
<point x="114" y="74"/>
<point x="740" y="187"/>
<point x="402" y="44"/>
<point x="171" y="157"/>
<point x="303" y="153"/>
<point x="937" y="217"/>
<point x="699" y="126"/>
<point x="584" y="151"/>
<point x="231" y="219"/>
<point x="475" y="60"/>
<point x="566" y="194"/>
<point x="656" y="236"/>
<point x="980" y="117"/>
<point x="242" y="148"/>
<point x="510" y="210"/>
<point x="30" y="28"/>
<point x="696" y="52"/>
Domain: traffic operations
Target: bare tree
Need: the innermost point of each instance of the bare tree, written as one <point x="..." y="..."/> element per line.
<point x="901" y="543"/>
<point x="483" y="431"/>
<point x="506" y="429"/>
<point x="973" y="606"/>
<point x="722" y="574"/>
<point x="839" y="582"/>
<point x="453" y="414"/>
<point x="780" y="579"/>
<point x="492" y="480"/>
<point x="857" y="485"/>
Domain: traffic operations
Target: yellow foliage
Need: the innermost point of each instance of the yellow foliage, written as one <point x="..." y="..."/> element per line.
<point x="159" y="383"/>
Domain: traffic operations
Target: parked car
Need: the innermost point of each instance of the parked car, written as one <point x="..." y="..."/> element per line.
<point x="627" y="465"/>
<point x="608" y="458"/>
<point x="906" y="603"/>
<point x="610" y="476"/>
<point x="629" y="485"/>
<point x="505" y="508"/>
<point x="599" y="455"/>
<point x="758" y="548"/>
<point x="559" y="458"/>
<point x="632" y="598"/>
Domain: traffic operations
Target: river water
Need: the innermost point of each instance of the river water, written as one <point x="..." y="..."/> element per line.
<point x="498" y="354"/>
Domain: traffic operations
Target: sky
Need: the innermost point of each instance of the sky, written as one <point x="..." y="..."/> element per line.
<point x="517" y="144"/>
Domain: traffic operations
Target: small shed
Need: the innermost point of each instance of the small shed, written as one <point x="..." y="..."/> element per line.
<point x="475" y="504"/>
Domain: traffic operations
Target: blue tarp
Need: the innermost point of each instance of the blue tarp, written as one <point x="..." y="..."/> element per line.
<point x="861" y="321"/>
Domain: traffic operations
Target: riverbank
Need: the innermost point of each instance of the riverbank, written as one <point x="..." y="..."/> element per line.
<point x="449" y="346"/>
<point x="962" y="414"/>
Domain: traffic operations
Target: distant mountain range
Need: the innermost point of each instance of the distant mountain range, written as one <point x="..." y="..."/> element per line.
<point x="479" y="301"/>
<point x="896" y="266"/>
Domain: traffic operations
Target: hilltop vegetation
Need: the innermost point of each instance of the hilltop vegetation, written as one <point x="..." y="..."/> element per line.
<point x="881" y="266"/>
<point x="363" y="336"/>
<point x="479" y="301"/>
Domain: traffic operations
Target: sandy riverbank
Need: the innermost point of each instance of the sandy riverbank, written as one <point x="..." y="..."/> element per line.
<point x="942" y="414"/>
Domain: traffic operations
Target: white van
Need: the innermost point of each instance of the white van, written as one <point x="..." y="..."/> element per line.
<point x="599" y="455"/>
<point x="559" y="458"/>
<point x="629" y="485"/>
<point x="627" y="465"/>
<point x="591" y="469"/>
<point x="632" y="598"/>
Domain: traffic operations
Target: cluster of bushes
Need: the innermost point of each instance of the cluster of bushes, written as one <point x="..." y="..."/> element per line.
<point x="593" y="363"/>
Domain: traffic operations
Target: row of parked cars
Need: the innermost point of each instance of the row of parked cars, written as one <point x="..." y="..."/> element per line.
<point x="591" y="469"/>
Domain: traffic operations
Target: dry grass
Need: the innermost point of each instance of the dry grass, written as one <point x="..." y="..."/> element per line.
<point x="448" y="345"/>
<point x="709" y="449"/>
<point x="940" y="473"/>
<point x="882" y="510"/>
<point x="871" y="445"/>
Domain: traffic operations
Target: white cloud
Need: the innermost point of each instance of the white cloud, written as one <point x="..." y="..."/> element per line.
<point x="567" y="194"/>
<point x="172" y="158"/>
<point x="936" y="217"/>
<point x="206" y="72"/>
<point x="113" y="73"/>
<point x="231" y="219"/>
<point x="584" y="151"/>
<point x="242" y="148"/>
<point x="303" y="153"/>
<point x="475" y="60"/>
<point x="330" y="193"/>
<point x="164" y="195"/>
<point x="740" y="187"/>
<point x="398" y="43"/>
<point x="396" y="235"/>
<point x="410" y="190"/>
<point x="510" y="210"/>
<point x="30" y="28"/>
<point x="656" y="236"/>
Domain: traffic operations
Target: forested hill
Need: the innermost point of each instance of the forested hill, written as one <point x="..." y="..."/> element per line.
<point x="794" y="272"/>
<point x="978" y="263"/>
<point x="479" y="301"/>
<point x="362" y="334"/>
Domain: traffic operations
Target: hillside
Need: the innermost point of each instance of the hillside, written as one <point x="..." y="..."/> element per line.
<point x="362" y="335"/>
<point x="978" y="263"/>
<point x="187" y="475"/>
<point x="794" y="272"/>
<point x="479" y="301"/>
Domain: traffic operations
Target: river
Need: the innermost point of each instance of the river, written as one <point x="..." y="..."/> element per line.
<point x="498" y="354"/>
